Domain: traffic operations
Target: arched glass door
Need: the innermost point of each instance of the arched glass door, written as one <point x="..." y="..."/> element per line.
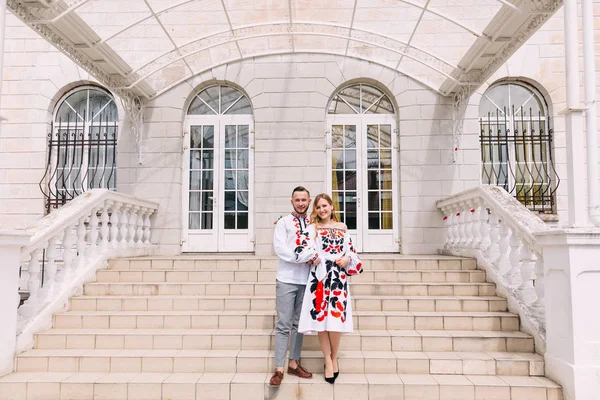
<point x="218" y="165"/>
<point x="363" y="166"/>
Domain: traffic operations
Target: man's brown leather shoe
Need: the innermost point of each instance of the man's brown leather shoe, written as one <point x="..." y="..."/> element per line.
<point x="300" y="372"/>
<point x="276" y="378"/>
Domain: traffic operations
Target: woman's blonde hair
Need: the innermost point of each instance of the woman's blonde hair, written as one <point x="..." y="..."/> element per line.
<point x="314" y="216"/>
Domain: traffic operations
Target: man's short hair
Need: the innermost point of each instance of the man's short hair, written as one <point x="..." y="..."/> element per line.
<point x="300" y="189"/>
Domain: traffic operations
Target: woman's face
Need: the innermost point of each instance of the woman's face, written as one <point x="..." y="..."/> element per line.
<point x="324" y="209"/>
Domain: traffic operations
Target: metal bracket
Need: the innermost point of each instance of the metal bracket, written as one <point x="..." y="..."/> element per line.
<point x="459" y="107"/>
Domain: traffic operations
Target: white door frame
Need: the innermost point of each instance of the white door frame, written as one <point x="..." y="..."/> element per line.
<point x="392" y="242"/>
<point x="217" y="239"/>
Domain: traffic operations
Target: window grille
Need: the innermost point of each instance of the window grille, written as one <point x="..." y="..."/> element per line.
<point x="82" y="146"/>
<point x="516" y="145"/>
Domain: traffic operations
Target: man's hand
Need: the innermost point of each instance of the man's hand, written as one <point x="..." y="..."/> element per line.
<point x="314" y="262"/>
<point x="343" y="261"/>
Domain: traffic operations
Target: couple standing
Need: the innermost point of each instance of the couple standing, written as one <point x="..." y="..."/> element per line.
<point x="316" y="256"/>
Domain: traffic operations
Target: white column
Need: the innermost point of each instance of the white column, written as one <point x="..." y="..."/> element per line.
<point x="589" y="74"/>
<point x="11" y="243"/>
<point x="571" y="281"/>
<point x="574" y="122"/>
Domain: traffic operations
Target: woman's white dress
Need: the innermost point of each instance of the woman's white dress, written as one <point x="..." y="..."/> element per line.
<point x="326" y="305"/>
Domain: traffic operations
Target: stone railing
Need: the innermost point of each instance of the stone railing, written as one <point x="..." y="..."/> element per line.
<point x="489" y="224"/>
<point x="63" y="250"/>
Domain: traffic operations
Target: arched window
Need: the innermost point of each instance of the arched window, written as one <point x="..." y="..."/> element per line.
<point x="82" y="145"/>
<point x="516" y="144"/>
<point x="218" y="169"/>
<point x="363" y="165"/>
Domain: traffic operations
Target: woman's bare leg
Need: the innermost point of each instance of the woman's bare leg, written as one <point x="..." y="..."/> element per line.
<point x="326" y="349"/>
<point x="335" y="339"/>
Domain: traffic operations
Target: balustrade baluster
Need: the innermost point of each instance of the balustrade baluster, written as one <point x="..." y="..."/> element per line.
<point x="468" y="226"/>
<point x="30" y="307"/>
<point x="114" y="225"/>
<point x="139" y="233"/>
<point x="526" y="290"/>
<point x="123" y="222"/>
<point x="485" y="228"/>
<point x="502" y="263"/>
<point x="513" y="275"/>
<point x="494" y="236"/>
<point x="93" y="233"/>
<point x="476" y="227"/>
<point x="461" y="226"/>
<point x="147" y="227"/>
<point x="81" y="243"/>
<point x="69" y="240"/>
<point x="132" y="222"/>
<point x="538" y="305"/>
<point x="47" y="291"/>
<point x="104" y="229"/>
<point x="448" y="229"/>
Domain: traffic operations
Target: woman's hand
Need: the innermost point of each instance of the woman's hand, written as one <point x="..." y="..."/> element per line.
<point x="343" y="261"/>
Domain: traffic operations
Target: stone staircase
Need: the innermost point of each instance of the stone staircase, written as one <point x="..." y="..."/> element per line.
<point x="426" y="328"/>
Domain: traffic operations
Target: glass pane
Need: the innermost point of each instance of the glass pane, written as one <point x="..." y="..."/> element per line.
<point x="350" y="220"/>
<point x="242" y="221"/>
<point x="229" y="201"/>
<point x="350" y="141"/>
<point x="350" y="180"/>
<point x="242" y="180"/>
<point x="211" y="97"/>
<point x="372" y="136"/>
<point x="243" y="106"/>
<point x="385" y="136"/>
<point x="352" y="97"/>
<point x="199" y="108"/>
<point x="207" y="220"/>
<point x="387" y="221"/>
<point x="229" y="220"/>
<point x="337" y="159"/>
<point x="195" y="180"/>
<point x="228" y="96"/>
<point x="386" y="201"/>
<point x="230" y="136"/>
<point x="99" y="106"/>
<point x="195" y="159"/>
<point x="387" y="179"/>
<point x="337" y="140"/>
<point x="338" y="180"/>
<point x="337" y="106"/>
<point x="242" y="201"/>
<point x="207" y="180"/>
<point x="230" y="180"/>
<point x="373" y="178"/>
<point x="337" y="199"/>
<point x="209" y="137"/>
<point x="372" y="159"/>
<point x="373" y="220"/>
<point x="194" y="201"/>
<point x="386" y="159"/>
<point x="242" y="161"/>
<point x="195" y="137"/>
<point x="383" y="106"/>
<point x="350" y="159"/>
<point x="207" y="201"/>
<point x="207" y="159"/>
<point x="230" y="159"/>
<point x="373" y="201"/>
<point x="369" y="96"/>
<point x="194" y="221"/>
<point x="242" y="136"/>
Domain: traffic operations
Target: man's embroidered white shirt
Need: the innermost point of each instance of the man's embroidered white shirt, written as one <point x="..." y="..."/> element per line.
<point x="290" y="241"/>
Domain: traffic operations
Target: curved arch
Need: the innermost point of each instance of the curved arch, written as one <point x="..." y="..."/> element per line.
<point x="210" y="83"/>
<point x="369" y="82"/>
<point x="277" y="53"/>
<point x="67" y="89"/>
<point x="543" y="93"/>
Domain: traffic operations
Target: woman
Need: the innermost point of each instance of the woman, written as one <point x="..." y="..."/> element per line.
<point x="326" y="308"/>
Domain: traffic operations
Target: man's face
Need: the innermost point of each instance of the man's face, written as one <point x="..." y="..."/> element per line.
<point x="300" y="202"/>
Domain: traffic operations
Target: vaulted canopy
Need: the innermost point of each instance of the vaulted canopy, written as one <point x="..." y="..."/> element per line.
<point x="147" y="47"/>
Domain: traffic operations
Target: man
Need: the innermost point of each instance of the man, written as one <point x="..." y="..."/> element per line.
<point x="290" y="239"/>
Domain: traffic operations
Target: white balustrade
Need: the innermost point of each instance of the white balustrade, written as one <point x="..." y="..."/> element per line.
<point x="489" y="224"/>
<point x="80" y="236"/>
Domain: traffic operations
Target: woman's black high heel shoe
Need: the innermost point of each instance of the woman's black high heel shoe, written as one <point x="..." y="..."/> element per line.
<point x="335" y="374"/>
<point x="329" y="380"/>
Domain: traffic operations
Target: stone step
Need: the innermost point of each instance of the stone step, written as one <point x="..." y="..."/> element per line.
<point x="254" y="361"/>
<point x="248" y="386"/>
<point x="262" y="303"/>
<point x="263" y="339"/>
<point x="192" y="275"/>
<point x="370" y="262"/>
<point x="268" y="289"/>
<point x="266" y="320"/>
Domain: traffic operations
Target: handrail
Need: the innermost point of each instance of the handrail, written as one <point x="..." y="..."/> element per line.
<point x="488" y="223"/>
<point x="72" y="243"/>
